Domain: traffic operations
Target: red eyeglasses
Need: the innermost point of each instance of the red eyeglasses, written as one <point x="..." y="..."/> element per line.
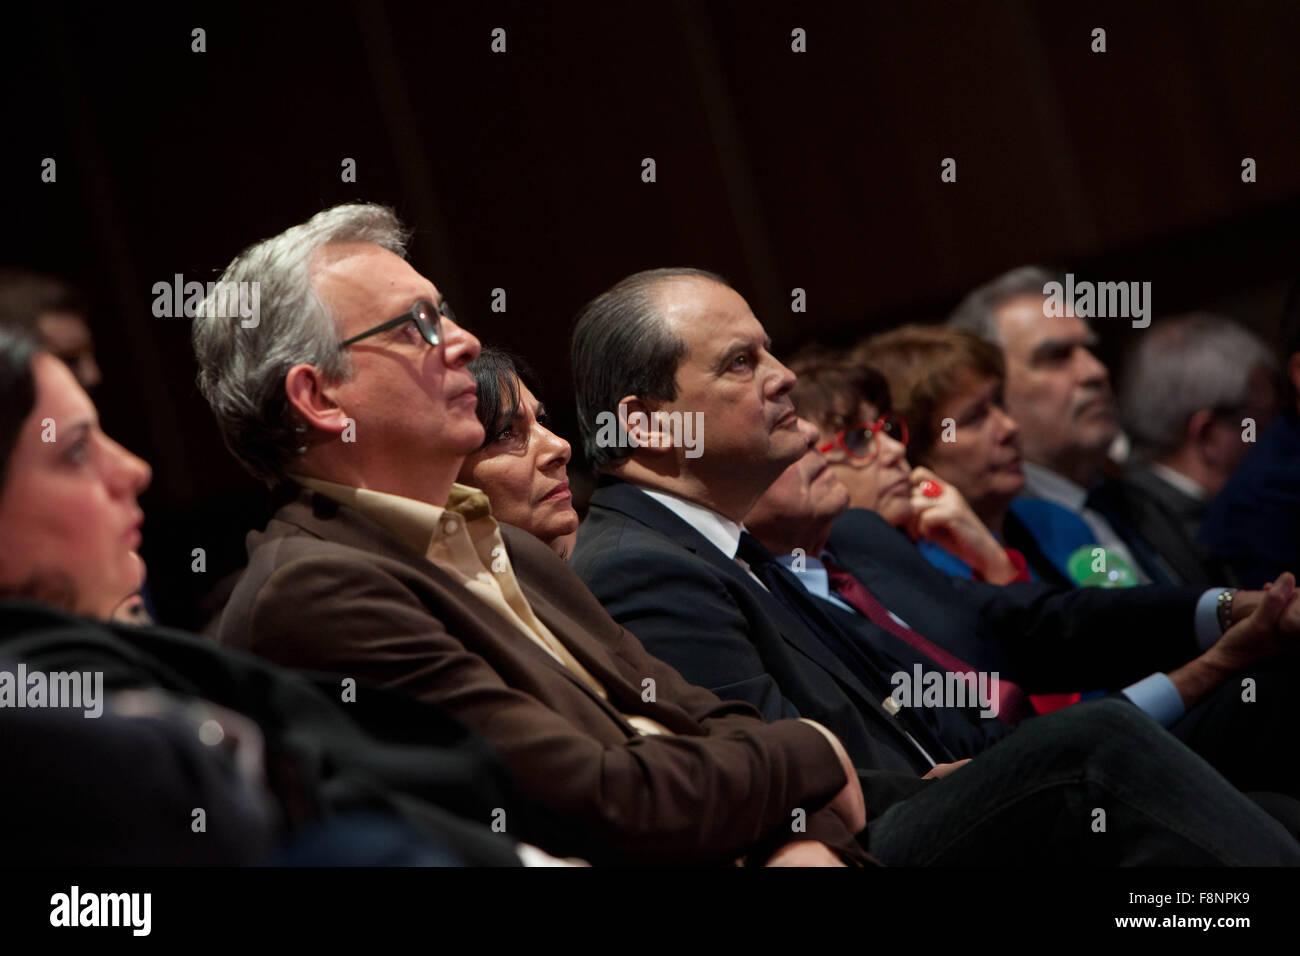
<point x="859" y="441"/>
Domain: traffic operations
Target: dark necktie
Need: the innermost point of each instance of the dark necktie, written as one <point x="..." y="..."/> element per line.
<point x="857" y="655"/>
<point x="1013" y="705"/>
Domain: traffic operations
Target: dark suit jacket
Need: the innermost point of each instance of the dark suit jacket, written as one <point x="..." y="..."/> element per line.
<point x="381" y="753"/>
<point x="961" y="729"/>
<point x="1166" y="520"/>
<point x="1254" y="522"/>
<point x="1047" y="639"/>
<point x="701" y="612"/>
<point x="328" y="590"/>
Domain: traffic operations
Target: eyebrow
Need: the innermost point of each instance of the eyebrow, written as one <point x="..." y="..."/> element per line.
<point x="1052" y="345"/>
<point x="76" y="429"/>
<point x="438" y="303"/>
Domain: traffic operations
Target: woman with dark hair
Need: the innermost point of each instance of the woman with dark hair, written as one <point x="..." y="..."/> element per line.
<point x="521" y="464"/>
<point x="68" y="508"/>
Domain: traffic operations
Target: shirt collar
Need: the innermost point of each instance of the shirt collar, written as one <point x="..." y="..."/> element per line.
<point x="1040" y="482"/>
<point x="415" y="522"/>
<point x="721" y="532"/>
<point x="1180" y="481"/>
<point x="811" y="571"/>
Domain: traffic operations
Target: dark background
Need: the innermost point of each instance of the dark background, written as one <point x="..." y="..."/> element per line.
<point x="523" y="171"/>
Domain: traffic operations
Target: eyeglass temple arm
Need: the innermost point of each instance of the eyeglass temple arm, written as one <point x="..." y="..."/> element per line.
<point x="384" y="327"/>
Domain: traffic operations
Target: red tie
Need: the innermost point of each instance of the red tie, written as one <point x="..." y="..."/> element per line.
<point x="1013" y="705"/>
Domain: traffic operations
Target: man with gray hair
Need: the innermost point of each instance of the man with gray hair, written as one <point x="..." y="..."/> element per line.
<point x="1254" y="522"/>
<point x="1193" y="394"/>
<point x="351" y="394"/>
<point x="1059" y="393"/>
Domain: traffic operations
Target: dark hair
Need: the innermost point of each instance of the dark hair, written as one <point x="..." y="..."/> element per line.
<point x="18" y="346"/>
<point x="622" y="346"/>
<point x="17" y="389"/>
<point x="498" y="374"/>
<point x="830" y="388"/>
<point x="26" y="295"/>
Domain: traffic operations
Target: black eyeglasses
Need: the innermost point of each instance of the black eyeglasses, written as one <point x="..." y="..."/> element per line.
<point x="426" y="316"/>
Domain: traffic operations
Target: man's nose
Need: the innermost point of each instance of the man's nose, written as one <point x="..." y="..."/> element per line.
<point x="459" y="346"/>
<point x="1090" y="369"/>
<point x="782" y="381"/>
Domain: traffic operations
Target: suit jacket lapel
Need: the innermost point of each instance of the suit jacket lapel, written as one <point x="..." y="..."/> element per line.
<point x="628" y="500"/>
<point x="1171" y="523"/>
<point x="820" y="614"/>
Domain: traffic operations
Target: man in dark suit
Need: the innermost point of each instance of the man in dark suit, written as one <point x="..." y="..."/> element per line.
<point x="376" y="566"/>
<point x="1194" y="393"/>
<point x="1254" y="521"/>
<point x="1059" y="394"/>
<point x="851" y="559"/>
<point x="664" y="549"/>
<point x="1167" y="513"/>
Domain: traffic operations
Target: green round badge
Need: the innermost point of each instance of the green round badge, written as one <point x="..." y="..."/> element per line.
<point x="1092" y="566"/>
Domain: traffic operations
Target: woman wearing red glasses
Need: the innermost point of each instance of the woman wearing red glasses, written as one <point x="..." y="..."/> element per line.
<point x="866" y="445"/>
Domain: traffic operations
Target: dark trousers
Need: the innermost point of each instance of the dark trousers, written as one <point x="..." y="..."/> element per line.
<point x="1245" y="739"/>
<point x="1099" y="783"/>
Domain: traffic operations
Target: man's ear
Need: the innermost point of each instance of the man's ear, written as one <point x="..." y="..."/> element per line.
<point x="1200" y="433"/>
<point x="641" y="423"/>
<point x="304" y="386"/>
<point x="1199" y="426"/>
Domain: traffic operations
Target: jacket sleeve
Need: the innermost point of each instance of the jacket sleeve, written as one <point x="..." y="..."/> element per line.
<point x="720" y="717"/>
<point x="1063" y="639"/>
<point x="661" y="799"/>
<point x="1049" y="639"/>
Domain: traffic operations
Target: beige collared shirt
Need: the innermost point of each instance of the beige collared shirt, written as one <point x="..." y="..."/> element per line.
<point x="465" y="541"/>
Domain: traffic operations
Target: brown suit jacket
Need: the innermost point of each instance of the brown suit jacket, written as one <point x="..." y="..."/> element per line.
<point x="329" y="590"/>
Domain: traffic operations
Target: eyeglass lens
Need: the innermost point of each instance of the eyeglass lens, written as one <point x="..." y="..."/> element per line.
<point x="861" y="441"/>
<point x="429" y="321"/>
